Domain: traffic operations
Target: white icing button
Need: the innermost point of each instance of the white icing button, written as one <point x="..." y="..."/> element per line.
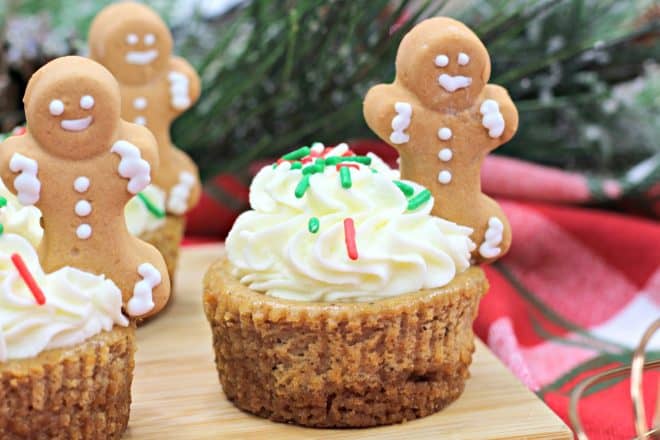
<point x="56" y="107"/>
<point x="444" y="133"/>
<point x="87" y="102"/>
<point x="445" y="154"/>
<point x="84" y="231"/>
<point x="463" y="59"/>
<point x="149" y="39"/>
<point x="132" y="39"/>
<point x="81" y="184"/>
<point x="444" y="177"/>
<point x="140" y="103"/>
<point x="441" y="60"/>
<point x="140" y="120"/>
<point x="83" y="208"/>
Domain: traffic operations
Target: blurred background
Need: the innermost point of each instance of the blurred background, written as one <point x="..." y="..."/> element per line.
<point x="280" y="74"/>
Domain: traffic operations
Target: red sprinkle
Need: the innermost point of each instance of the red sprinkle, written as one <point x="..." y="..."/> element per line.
<point x="349" y="165"/>
<point x="28" y="279"/>
<point x="19" y="131"/>
<point x="349" y="237"/>
<point x="307" y="159"/>
<point x="348" y="153"/>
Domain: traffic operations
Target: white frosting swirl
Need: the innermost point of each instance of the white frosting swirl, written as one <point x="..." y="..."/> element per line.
<point x="78" y="305"/>
<point x="400" y="250"/>
<point x="138" y="217"/>
<point x="18" y="219"/>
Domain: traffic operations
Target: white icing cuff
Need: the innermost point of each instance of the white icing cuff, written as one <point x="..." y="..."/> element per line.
<point x="143" y="299"/>
<point x="492" y="118"/>
<point x="28" y="186"/>
<point x="400" y="123"/>
<point x="492" y="239"/>
<point x="180" y="193"/>
<point x="179" y="94"/>
<point x="132" y="166"/>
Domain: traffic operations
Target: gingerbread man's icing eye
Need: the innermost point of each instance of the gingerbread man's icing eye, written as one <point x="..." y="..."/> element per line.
<point x="132" y="39"/>
<point x="87" y="102"/>
<point x="463" y="59"/>
<point x="149" y="39"/>
<point x="441" y="60"/>
<point x="56" y="107"/>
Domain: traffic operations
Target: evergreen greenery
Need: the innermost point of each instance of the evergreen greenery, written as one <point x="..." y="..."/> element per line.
<point x="283" y="73"/>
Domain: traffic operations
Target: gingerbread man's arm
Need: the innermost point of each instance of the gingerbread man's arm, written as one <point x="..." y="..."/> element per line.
<point x="499" y="115"/>
<point x="389" y="110"/>
<point x="138" y="152"/>
<point x="19" y="168"/>
<point x="184" y="85"/>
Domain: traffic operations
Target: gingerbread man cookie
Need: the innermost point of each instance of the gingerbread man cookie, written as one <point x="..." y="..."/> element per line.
<point x="79" y="163"/>
<point x="134" y="43"/>
<point x="443" y="117"/>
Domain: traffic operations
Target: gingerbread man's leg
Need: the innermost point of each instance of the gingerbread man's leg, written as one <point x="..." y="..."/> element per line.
<point x="493" y="237"/>
<point x="187" y="191"/>
<point x="150" y="282"/>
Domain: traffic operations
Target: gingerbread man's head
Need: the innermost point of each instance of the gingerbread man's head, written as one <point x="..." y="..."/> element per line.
<point x="444" y="63"/>
<point x="135" y="48"/>
<point x="72" y="107"/>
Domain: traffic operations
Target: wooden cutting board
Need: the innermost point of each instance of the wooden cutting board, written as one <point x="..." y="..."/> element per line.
<point x="176" y="394"/>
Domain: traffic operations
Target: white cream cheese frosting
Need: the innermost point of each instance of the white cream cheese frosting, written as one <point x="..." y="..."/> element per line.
<point x="78" y="305"/>
<point x="315" y="235"/>
<point x="18" y="219"/>
<point x="146" y="211"/>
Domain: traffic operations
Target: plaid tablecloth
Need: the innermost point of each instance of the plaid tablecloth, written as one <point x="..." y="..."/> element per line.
<point x="575" y="292"/>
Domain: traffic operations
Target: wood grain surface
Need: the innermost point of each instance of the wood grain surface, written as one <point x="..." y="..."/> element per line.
<point x="176" y="394"/>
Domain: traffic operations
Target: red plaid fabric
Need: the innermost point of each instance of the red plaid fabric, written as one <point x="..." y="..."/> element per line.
<point x="573" y="296"/>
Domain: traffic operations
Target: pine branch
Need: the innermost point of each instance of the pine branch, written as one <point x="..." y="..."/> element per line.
<point x="283" y="73"/>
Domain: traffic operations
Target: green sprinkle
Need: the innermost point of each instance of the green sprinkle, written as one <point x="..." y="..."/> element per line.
<point x="334" y="160"/>
<point x="297" y="154"/>
<point x="150" y="206"/>
<point x="374" y="170"/>
<point x="3" y="202"/>
<point x="312" y="169"/>
<point x="296" y="165"/>
<point x="406" y="189"/>
<point x="345" y="177"/>
<point x="313" y="225"/>
<point x="2" y="228"/>
<point x="418" y="200"/>
<point x="302" y="186"/>
<point x="320" y="162"/>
